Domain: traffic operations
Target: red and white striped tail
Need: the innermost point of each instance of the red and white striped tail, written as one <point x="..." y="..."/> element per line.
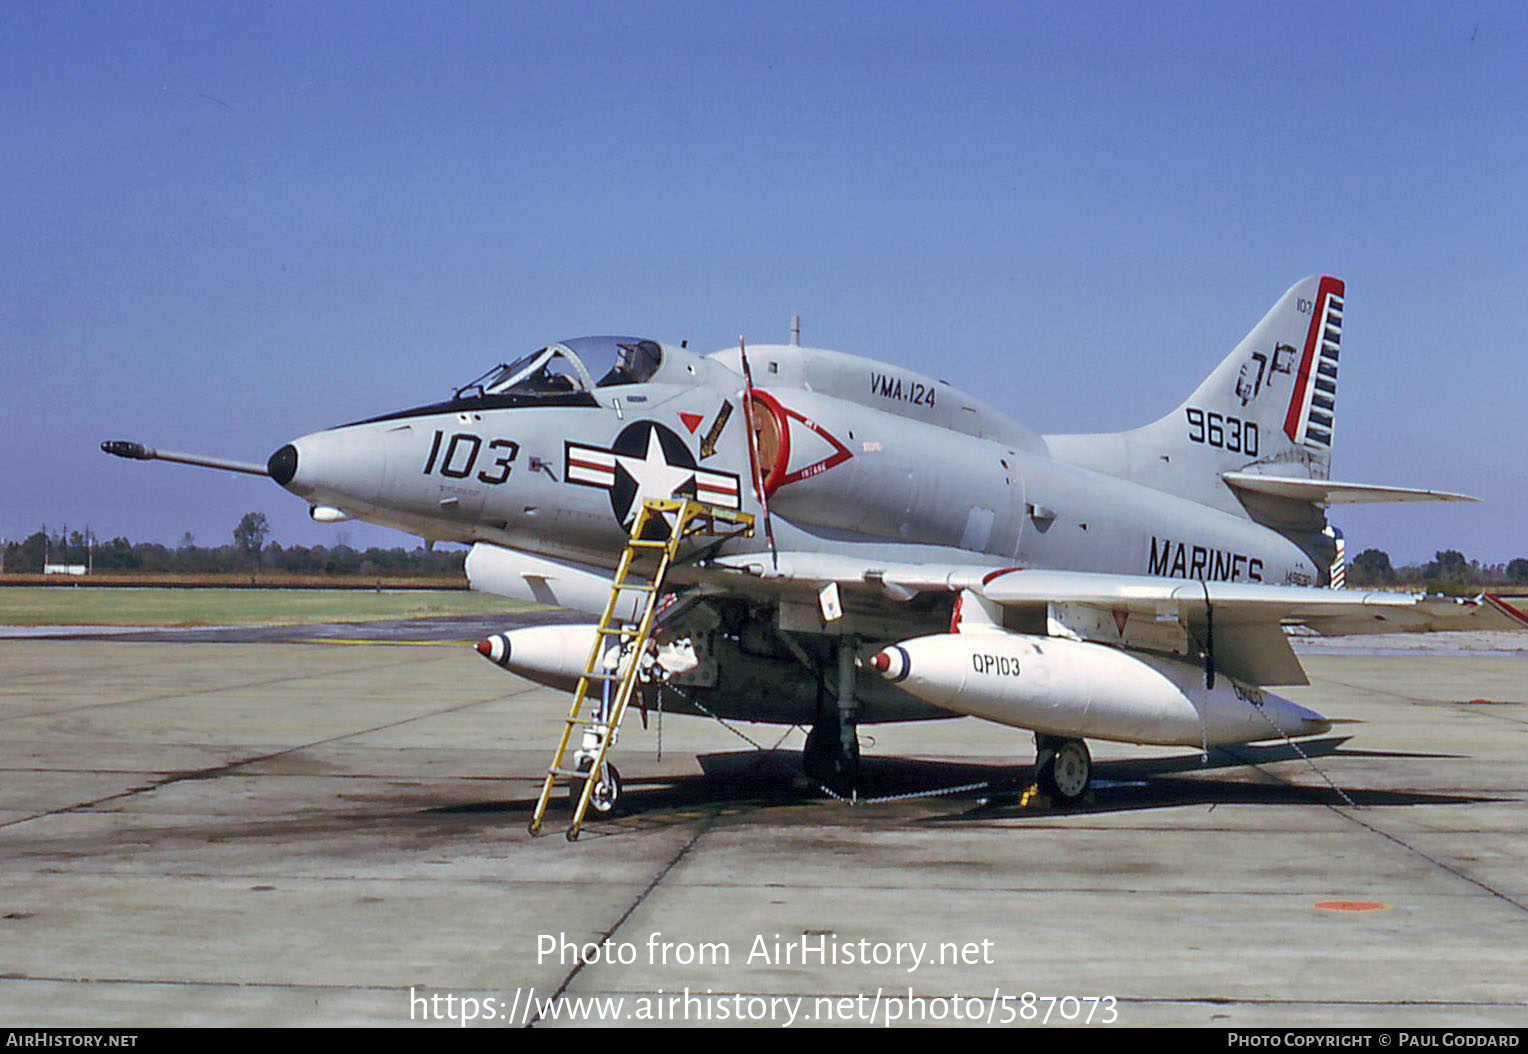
<point x="1313" y="399"/>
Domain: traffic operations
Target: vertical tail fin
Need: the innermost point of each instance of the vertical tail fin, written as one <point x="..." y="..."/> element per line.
<point x="1274" y="399"/>
<point x="1270" y="406"/>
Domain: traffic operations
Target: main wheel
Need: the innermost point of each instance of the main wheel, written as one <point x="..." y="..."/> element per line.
<point x="817" y="754"/>
<point x="1065" y="768"/>
<point x="606" y="796"/>
<point x="826" y="761"/>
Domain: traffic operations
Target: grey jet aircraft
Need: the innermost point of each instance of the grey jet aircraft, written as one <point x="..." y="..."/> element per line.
<point x="925" y="556"/>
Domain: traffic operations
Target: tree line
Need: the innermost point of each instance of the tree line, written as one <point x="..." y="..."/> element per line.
<point x="1448" y="571"/>
<point x="248" y="551"/>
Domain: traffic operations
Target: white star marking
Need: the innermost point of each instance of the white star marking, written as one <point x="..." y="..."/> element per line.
<point x="653" y="475"/>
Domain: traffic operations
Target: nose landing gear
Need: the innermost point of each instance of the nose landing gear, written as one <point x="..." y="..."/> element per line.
<point x="608" y="789"/>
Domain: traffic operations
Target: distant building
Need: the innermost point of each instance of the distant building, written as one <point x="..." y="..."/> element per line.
<point x="64" y="569"/>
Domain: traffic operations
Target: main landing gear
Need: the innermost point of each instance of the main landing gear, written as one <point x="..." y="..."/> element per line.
<point x="829" y="760"/>
<point x="831" y="756"/>
<point x="1063" y="768"/>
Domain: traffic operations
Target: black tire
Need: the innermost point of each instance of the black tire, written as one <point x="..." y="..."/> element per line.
<point x="826" y="762"/>
<point x="607" y="795"/>
<point x="816" y="756"/>
<point x="1064" y="769"/>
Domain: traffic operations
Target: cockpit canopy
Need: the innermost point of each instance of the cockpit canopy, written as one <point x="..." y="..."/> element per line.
<point x="569" y="367"/>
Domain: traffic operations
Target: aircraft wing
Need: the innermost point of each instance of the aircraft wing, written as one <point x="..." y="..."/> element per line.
<point x="1329" y="612"/>
<point x="1246" y="620"/>
<point x="799" y="570"/>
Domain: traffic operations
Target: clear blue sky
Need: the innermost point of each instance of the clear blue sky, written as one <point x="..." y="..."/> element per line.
<point x="226" y="225"/>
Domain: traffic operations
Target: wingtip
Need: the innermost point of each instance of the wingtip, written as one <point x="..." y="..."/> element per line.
<point x="1499" y="603"/>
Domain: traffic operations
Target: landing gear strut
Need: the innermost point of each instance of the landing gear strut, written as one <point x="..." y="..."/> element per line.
<point x="1063" y="768"/>
<point x="832" y="747"/>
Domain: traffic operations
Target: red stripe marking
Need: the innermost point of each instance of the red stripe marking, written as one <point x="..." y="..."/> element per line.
<point x="987" y="579"/>
<point x="838" y="457"/>
<point x="1327" y="287"/>
<point x="606" y="473"/>
<point x="1505" y="608"/>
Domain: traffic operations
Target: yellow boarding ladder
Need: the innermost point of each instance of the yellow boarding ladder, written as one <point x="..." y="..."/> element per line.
<point x="597" y="711"/>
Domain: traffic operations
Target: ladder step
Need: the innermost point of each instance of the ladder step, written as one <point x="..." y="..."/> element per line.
<point x="691" y="518"/>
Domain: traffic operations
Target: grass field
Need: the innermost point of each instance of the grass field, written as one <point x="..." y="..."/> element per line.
<point x="85" y="606"/>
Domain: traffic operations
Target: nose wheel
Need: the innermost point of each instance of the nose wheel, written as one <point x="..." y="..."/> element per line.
<point x="608" y="789"/>
<point x="1063" y="768"/>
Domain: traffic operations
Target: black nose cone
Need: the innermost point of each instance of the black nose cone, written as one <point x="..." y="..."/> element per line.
<point x="283" y="464"/>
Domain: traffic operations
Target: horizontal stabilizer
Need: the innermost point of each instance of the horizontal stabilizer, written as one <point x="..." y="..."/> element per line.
<point x="1333" y="492"/>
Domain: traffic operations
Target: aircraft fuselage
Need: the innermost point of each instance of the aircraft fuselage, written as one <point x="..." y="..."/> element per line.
<point x="897" y="481"/>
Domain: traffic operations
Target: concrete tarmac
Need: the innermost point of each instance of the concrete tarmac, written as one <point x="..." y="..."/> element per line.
<point x="268" y="833"/>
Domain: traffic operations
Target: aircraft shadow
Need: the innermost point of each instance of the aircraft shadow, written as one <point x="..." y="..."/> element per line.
<point x="745" y="781"/>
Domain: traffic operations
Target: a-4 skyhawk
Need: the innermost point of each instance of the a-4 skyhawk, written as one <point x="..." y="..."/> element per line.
<point x="916" y="555"/>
